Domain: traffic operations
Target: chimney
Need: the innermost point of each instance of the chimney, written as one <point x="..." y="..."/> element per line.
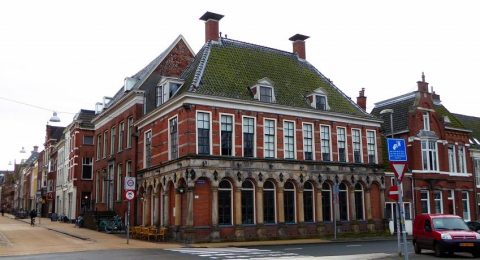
<point x="211" y="26"/>
<point x="299" y="44"/>
<point x="35" y="148"/>
<point x="422" y="85"/>
<point x="362" y="99"/>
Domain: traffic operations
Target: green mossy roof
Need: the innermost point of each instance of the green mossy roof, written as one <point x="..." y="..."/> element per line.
<point x="232" y="67"/>
<point x="443" y="111"/>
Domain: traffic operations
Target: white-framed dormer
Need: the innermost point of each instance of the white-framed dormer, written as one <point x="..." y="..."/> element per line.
<point x="289" y="140"/>
<point x="264" y="90"/>
<point x="166" y="89"/>
<point x="319" y="99"/>
<point x="269" y="137"/>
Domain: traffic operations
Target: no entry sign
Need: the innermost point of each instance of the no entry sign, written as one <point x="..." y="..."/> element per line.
<point x="393" y="193"/>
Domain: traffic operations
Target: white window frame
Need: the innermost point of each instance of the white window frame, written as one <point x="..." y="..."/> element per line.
<point x="128" y="168"/>
<point x="476" y="170"/>
<point x="129" y="132"/>
<point x="315" y="96"/>
<point x="439" y="200"/>
<point x="119" y="182"/>
<point x="254" y="135"/>
<point x="462" y="162"/>
<point x="149" y="131"/>
<point x="259" y="89"/>
<point x="451" y="197"/>
<point x="374" y="146"/>
<point x="253" y="189"/>
<point x="329" y="141"/>
<point x="428" y="150"/>
<point x="231" y="201"/>
<point x="345" y="142"/>
<point x="294" y="140"/>
<point x="121" y="136"/>
<point x="427" y="199"/>
<point x="256" y="89"/>
<point x="452" y="158"/>
<point x="105" y="143"/>
<point x="99" y="147"/>
<point x="113" y="136"/>
<point x="91" y="165"/>
<point x="170" y="138"/>
<point x="196" y="129"/>
<point x="264" y="139"/>
<point x="314" y="200"/>
<point x="275" y="206"/>
<point x="467" y="200"/>
<point x="313" y="139"/>
<point x="160" y="95"/>
<point x="233" y="131"/>
<point x="426" y="121"/>
<point x="353" y="144"/>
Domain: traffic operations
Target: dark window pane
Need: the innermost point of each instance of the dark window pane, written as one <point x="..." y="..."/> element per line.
<point x="247" y="207"/>
<point x="308" y="205"/>
<point x="224" y="207"/>
<point x="203" y="141"/>
<point x="226" y="143"/>
<point x="248" y="145"/>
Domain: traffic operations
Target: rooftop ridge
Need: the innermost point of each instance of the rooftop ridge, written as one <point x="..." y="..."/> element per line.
<point x="201" y="67"/>
<point x="395" y="99"/>
<point x="248" y="44"/>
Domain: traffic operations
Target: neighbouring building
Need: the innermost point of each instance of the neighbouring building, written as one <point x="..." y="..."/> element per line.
<point x="251" y="142"/>
<point x="438" y="150"/>
<point x="53" y="135"/>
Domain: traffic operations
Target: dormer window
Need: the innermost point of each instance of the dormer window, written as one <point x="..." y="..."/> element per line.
<point x="166" y="89"/>
<point x="264" y="91"/>
<point x="318" y="100"/>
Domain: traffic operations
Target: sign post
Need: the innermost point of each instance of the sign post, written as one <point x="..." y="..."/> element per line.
<point x="397" y="155"/>
<point x="129" y="195"/>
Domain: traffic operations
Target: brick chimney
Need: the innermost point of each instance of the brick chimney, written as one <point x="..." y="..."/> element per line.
<point x="211" y="26"/>
<point x="299" y="44"/>
<point x="422" y="85"/>
<point x="35" y="148"/>
<point x="362" y="99"/>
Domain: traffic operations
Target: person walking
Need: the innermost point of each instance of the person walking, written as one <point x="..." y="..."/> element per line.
<point x="33" y="214"/>
<point x="3" y="211"/>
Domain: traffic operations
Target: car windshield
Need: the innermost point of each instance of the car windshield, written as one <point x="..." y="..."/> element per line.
<point x="449" y="224"/>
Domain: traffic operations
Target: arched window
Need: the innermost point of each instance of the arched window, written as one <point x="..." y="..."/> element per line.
<point x="268" y="202"/>
<point x="359" y="202"/>
<point x="224" y="203"/>
<point x="308" y="207"/>
<point x="343" y="201"/>
<point x="248" y="203"/>
<point x="289" y="202"/>
<point x="326" y="202"/>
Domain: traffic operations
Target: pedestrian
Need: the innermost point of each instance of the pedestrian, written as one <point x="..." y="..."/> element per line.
<point x="3" y="211"/>
<point x="33" y="214"/>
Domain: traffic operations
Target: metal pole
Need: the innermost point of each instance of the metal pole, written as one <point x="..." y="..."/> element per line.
<point x="396" y="212"/>
<point x="402" y="220"/>
<point x="128" y="222"/>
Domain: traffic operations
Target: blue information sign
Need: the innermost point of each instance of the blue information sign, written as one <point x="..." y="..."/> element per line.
<point x="397" y="150"/>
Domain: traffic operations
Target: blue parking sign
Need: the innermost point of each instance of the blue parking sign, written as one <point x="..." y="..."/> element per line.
<point x="397" y="150"/>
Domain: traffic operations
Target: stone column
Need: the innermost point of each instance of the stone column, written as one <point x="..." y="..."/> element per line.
<point x="239" y="231"/>
<point x="189" y="206"/>
<point x="382" y="202"/>
<point x="319" y="212"/>
<point x="215" y="234"/>
<point x="351" y="195"/>
<point x="301" y="214"/>
<point x="155" y="209"/>
<point x="259" y="213"/>
<point x="282" y="229"/>
<point x="178" y="208"/>
<point x="368" y="206"/>
<point x="166" y="208"/>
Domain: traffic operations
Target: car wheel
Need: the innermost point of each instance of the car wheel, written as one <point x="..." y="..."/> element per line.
<point x="476" y="254"/>
<point x="417" y="248"/>
<point x="438" y="250"/>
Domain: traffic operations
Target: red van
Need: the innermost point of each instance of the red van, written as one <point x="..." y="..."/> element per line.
<point x="444" y="234"/>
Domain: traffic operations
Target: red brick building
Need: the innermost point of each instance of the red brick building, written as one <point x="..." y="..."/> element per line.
<point x="115" y="132"/>
<point x="438" y="149"/>
<point x="255" y="143"/>
<point x="52" y="137"/>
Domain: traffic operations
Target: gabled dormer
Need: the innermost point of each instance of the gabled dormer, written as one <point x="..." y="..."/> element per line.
<point x="318" y="99"/>
<point x="264" y="90"/>
<point x="166" y="89"/>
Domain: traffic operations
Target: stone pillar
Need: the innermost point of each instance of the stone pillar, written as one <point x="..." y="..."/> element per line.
<point x="189" y="206"/>
<point x="382" y="202"/>
<point x="351" y="195"/>
<point x="368" y="206"/>
<point x="155" y="210"/>
<point x="239" y="231"/>
<point x="178" y="208"/>
<point x="282" y="229"/>
<point x="215" y="234"/>
<point x="302" y="230"/>
<point x="319" y="212"/>
<point x="147" y="210"/>
<point x="259" y="212"/>
<point x="166" y="208"/>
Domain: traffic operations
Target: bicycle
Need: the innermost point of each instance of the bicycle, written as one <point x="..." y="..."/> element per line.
<point x="111" y="225"/>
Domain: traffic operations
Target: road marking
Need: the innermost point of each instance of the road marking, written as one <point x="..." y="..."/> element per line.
<point x="237" y="253"/>
<point x="297" y="248"/>
<point x="353" y="245"/>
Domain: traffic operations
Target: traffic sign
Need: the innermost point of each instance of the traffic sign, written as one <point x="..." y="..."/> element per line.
<point x="129" y="183"/>
<point x="129" y="195"/>
<point x="399" y="168"/>
<point x="397" y="150"/>
<point x="393" y="192"/>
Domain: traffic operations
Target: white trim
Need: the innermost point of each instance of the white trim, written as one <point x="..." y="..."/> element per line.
<point x="452" y="168"/>
<point x="196" y="130"/>
<point x="117" y="109"/>
<point x="233" y="131"/>
<point x="313" y="139"/>
<point x="428" y="200"/>
<point x="426" y="121"/>
<point x="329" y="141"/>
<point x="361" y="145"/>
<point x="452" y="198"/>
<point x="345" y="142"/>
<point x="442" y="172"/>
<point x="169" y="142"/>
<point x="145" y="146"/>
<point x="231" y="201"/>
<point x="435" y="201"/>
<point x="294" y="140"/>
<point x="375" y="144"/>
<point x="468" y="206"/>
<point x="462" y="161"/>
<point x="274" y="137"/>
<point x="254" y="136"/>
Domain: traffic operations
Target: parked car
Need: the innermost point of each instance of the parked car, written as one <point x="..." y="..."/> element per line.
<point x="474" y="225"/>
<point x="444" y="234"/>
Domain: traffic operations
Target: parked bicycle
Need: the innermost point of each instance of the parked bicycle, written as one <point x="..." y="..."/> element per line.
<point x="110" y="225"/>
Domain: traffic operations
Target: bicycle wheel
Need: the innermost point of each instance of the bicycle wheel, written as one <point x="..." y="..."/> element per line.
<point x="108" y="228"/>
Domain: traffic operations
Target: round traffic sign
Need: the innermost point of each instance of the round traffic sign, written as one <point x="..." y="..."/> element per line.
<point x="393" y="192"/>
<point x="129" y="195"/>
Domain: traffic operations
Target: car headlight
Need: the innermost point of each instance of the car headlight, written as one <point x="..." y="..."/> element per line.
<point x="478" y="236"/>
<point x="446" y="236"/>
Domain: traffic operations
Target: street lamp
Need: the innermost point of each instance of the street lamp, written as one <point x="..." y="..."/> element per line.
<point x="389" y="111"/>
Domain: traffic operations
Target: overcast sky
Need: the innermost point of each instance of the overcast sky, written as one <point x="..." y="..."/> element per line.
<point x="65" y="56"/>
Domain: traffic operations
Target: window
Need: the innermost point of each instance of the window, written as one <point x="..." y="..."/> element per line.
<point x="429" y="155"/>
<point x="173" y="138"/>
<point x="129" y="132"/>
<point x="357" y="146"/>
<point x="466" y="206"/>
<point x="308" y="202"/>
<point x="391" y="208"/>
<point x="268" y="202"/>
<point x="269" y="138"/>
<point x="308" y="142"/>
<point x="148" y="149"/>
<point x="227" y="135"/>
<point x="129" y="168"/>
<point x="119" y="182"/>
<point x="248" y="136"/>
<point x="325" y="138"/>
<point x="224" y="203"/>
<point x="476" y="169"/>
<point x="425" y="201"/>
<point x="203" y="131"/>
<point x="266" y="94"/>
<point x="461" y="160"/>
<point x="289" y="139"/>
<point x="160" y="94"/>
<point x="98" y="196"/>
<point x="99" y="147"/>
<point x="105" y="144"/>
<point x="358" y="194"/>
<point x="437" y="199"/>
<point x="121" y="134"/>
<point x="112" y="141"/>
<point x="88" y="139"/>
<point x="87" y="168"/>
<point x="342" y="148"/>
<point x="426" y="121"/>
<point x="343" y="201"/>
<point x="248" y="203"/>
<point x="451" y="158"/>
<point x="289" y="202"/>
<point x="326" y="202"/>
<point x="371" y="151"/>
<point x="49" y="185"/>
<point x="451" y="202"/>
<point x="320" y="102"/>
